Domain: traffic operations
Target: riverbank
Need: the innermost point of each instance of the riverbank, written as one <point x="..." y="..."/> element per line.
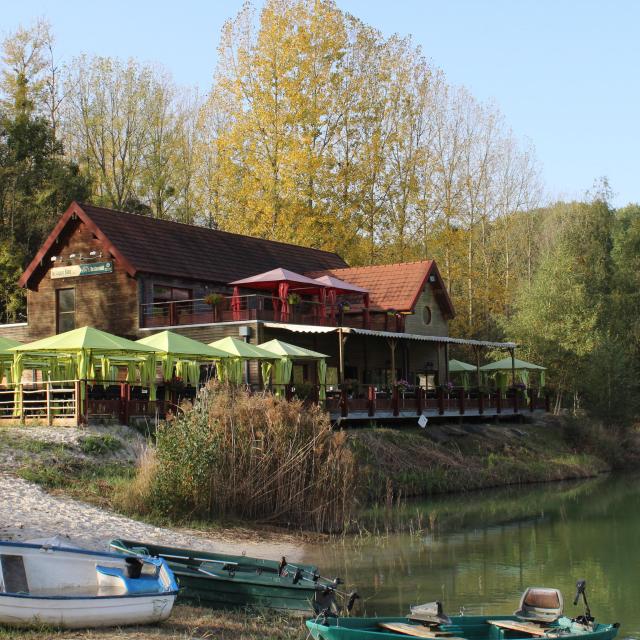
<point x="395" y="464"/>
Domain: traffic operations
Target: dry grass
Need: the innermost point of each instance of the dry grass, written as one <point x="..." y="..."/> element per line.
<point x="253" y="457"/>
<point x="185" y="623"/>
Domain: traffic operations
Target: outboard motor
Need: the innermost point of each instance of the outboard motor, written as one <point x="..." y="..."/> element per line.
<point x="581" y="590"/>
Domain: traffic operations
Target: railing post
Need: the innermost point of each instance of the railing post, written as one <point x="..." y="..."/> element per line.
<point x="48" y="396"/>
<point x="344" y="403"/>
<point x="480" y="402"/>
<point x="498" y="402"/>
<point x="395" y="400"/>
<point x="288" y="393"/>
<point x="515" y="401"/>
<point x="371" y="400"/>
<point x="441" y="401"/>
<point x="461" y="401"/>
<point x="419" y="401"/>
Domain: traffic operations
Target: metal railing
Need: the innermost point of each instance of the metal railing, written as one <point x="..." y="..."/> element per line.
<point x="256" y="307"/>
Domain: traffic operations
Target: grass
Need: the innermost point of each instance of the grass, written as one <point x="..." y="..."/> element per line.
<point x="99" y="445"/>
<point x="185" y="623"/>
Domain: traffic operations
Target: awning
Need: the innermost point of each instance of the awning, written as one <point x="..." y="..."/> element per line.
<point x="303" y="328"/>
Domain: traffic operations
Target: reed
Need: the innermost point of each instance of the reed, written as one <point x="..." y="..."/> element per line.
<point x="251" y="456"/>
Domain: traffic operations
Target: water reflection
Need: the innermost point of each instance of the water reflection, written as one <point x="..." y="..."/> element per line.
<point x="481" y="550"/>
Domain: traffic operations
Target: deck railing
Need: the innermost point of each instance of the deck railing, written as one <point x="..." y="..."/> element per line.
<point x="259" y="307"/>
<point x="75" y="402"/>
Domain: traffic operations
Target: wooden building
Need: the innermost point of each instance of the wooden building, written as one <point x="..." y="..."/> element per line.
<point x="133" y="275"/>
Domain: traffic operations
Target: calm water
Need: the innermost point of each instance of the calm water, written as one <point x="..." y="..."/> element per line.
<point x="483" y="549"/>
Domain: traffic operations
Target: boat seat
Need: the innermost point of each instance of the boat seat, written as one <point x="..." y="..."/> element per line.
<point x="540" y="604"/>
<point x="13" y="577"/>
<point x="113" y="579"/>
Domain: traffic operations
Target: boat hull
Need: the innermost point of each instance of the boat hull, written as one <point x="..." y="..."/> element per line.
<point x="78" y="613"/>
<point x="254" y="582"/>
<point x="464" y="627"/>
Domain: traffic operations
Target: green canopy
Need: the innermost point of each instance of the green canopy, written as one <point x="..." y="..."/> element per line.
<point x="457" y="366"/>
<point x="6" y="357"/>
<point x="181" y="347"/>
<point x="182" y="354"/>
<point x="236" y="348"/>
<point x="85" y="338"/>
<point x="288" y="353"/>
<point x="80" y="346"/>
<point x="505" y="365"/>
<point x="292" y="351"/>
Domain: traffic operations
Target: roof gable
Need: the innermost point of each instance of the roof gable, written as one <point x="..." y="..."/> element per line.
<point x="396" y="286"/>
<point x="148" y="245"/>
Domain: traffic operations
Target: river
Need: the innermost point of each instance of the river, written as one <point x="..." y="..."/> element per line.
<point x="480" y="551"/>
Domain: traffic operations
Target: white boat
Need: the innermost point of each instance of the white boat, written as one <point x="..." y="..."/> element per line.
<point x="75" y="588"/>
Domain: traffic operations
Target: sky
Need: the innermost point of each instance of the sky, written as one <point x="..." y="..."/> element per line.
<point x="564" y="73"/>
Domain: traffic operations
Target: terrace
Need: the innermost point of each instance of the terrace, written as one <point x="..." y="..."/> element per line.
<point x="251" y="307"/>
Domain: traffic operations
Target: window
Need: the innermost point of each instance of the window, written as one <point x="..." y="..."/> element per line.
<point x="426" y="315"/>
<point x="161" y="293"/>
<point x="65" y="310"/>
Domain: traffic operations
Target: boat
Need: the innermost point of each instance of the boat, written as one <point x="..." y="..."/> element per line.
<point x="42" y="584"/>
<point x="540" y="615"/>
<point x="228" y="581"/>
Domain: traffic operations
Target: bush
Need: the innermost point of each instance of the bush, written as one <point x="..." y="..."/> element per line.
<point x="255" y="457"/>
<point x="99" y="445"/>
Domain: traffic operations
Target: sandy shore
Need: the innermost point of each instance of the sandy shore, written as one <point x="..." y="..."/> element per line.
<point x="27" y="512"/>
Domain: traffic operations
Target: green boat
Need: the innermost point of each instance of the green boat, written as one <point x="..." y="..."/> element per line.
<point x="230" y="581"/>
<point x="540" y="616"/>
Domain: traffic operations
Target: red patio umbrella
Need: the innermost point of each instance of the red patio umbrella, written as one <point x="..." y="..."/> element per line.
<point x="283" y="282"/>
<point x="335" y="286"/>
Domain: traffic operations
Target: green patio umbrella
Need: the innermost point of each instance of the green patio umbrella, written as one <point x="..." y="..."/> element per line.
<point x="502" y="367"/>
<point x="81" y="346"/>
<point x="462" y="368"/>
<point x="457" y="366"/>
<point x="238" y="351"/>
<point x="175" y="350"/>
<point x="290" y="352"/>
<point x="6" y="357"/>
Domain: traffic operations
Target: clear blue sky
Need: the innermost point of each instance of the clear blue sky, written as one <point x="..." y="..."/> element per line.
<point x="565" y="73"/>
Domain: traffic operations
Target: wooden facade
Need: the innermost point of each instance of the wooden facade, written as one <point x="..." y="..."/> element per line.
<point x="150" y="275"/>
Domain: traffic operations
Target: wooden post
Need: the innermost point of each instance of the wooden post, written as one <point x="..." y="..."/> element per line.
<point x="515" y="401"/>
<point x="498" y="402"/>
<point x="371" y="400"/>
<point x="461" y="401"/>
<point x="76" y="403"/>
<point x="478" y="372"/>
<point x="440" y="400"/>
<point x="419" y="401"/>
<point x="392" y="346"/>
<point x="341" y="341"/>
<point x="48" y="392"/>
<point x="480" y="402"/>
<point x="446" y="362"/>
<point x="513" y="367"/>
<point x="344" y="403"/>
<point x="395" y="400"/>
<point x="547" y="402"/>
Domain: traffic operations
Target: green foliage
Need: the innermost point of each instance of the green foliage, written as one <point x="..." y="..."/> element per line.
<point x="254" y="457"/>
<point x="99" y="445"/>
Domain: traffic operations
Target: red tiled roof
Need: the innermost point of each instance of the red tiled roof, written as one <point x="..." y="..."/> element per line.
<point x="149" y="245"/>
<point x="394" y="286"/>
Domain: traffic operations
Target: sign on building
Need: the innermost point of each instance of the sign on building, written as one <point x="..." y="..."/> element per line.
<point x="75" y="270"/>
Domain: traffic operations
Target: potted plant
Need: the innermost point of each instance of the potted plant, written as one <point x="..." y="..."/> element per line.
<point x="293" y="299"/>
<point x="214" y="300"/>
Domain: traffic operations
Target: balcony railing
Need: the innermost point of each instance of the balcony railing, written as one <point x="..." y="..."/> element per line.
<point x="259" y="307"/>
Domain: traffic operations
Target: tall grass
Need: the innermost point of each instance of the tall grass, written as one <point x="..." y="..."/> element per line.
<point x="255" y="457"/>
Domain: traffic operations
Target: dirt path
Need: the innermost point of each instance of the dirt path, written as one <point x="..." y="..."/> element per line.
<point x="27" y="512"/>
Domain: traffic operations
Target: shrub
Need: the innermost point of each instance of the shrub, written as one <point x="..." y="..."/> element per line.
<point x="99" y="445"/>
<point x="255" y="457"/>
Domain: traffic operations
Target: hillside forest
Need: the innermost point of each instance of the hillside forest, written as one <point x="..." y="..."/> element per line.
<point x="319" y="130"/>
